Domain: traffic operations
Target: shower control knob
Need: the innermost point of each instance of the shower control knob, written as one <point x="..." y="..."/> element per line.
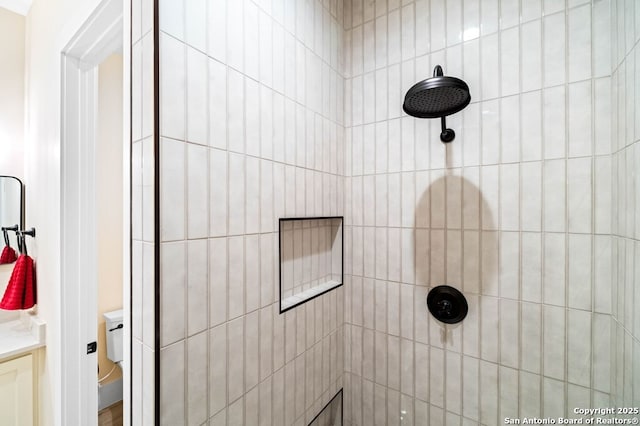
<point x="447" y="304"/>
<point x="445" y="307"/>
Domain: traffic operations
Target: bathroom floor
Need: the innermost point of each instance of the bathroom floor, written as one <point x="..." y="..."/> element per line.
<point x="111" y="416"/>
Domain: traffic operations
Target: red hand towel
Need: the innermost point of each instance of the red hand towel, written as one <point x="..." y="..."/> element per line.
<point x="21" y="290"/>
<point x="8" y="255"/>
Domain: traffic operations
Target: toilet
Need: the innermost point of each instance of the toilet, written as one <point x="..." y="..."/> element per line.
<point x="111" y="393"/>
<point x="115" y="339"/>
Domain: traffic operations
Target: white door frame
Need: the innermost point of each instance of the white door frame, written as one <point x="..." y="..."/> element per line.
<point x="103" y="33"/>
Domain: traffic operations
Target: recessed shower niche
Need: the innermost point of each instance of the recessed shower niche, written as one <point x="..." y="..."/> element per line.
<point x="311" y="258"/>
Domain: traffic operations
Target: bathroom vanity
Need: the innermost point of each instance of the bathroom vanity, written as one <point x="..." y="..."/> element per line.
<point x="21" y="341"/>
<point x="22" y="334"/>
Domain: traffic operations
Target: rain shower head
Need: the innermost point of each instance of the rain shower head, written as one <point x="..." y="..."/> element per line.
<point x="436" y="97"/>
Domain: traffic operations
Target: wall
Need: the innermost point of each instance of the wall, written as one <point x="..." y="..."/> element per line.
<point x="625" y="377"/>
<point x="251" y="97"/>
<point x="143" y="337"/>
<point x="109" y="177"/>
<point x="49" y="27"/>
<point x="515" y="212"/>
<point x="12" y="49"/>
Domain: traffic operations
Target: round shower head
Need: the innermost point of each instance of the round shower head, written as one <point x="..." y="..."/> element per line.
<point x="436" y="97"/>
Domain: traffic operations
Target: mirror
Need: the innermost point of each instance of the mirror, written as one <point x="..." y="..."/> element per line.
<point x="11" y="205"/>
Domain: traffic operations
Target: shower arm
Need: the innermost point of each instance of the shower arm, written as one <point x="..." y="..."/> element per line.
<point x="446" y="135"/>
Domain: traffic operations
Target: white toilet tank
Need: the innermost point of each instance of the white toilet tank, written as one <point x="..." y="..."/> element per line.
<point x="115" y="337"/>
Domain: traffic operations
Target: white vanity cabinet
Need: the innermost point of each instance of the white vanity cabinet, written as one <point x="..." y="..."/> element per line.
<point x="17" y="391"/>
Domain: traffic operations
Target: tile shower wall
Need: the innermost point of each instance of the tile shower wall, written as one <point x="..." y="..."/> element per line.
<point x="142" y="214"/>
<point x="625" y="377"/>
<point x="251" y="120"/>
<point x="515" y="212"/>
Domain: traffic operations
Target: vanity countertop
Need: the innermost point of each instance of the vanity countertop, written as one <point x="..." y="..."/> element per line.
<point x="21" y="335"/>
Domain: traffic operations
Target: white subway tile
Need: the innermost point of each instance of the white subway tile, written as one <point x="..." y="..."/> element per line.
<point x="579" y="296"/>
<point x="252" y="350"/>
<point x="579" y="342"/>
<point x="510" y="129"/>
<point x="197" y="351"/>
<point x="235" y="358"/>
<point x="554" y="47"/>
<point x="579" y="177"/>
<point x="252" y="195"/>
<point x="554" y="199"/>
<point x="489" y="395"/>
<point x="554" y="343"/>
<point x="510" y="57"/>
<point x="602" y="352"/>
<point x="217" y="369"/>
<point x="508" y="392"/>
<point x="510" y="197"/>
<point x="530" y="384"/>
<point x="196" y="24"/>
<point x="471" y="261"/>
<point x="235" y="111"/>
<point x="217" y="29"/>
<point x="217" y="281"/>
<point x="251" y="406"/>
<point x="197" y="191"/>
<point x="489" y="333"/>
<point x="423" y="20"/>
<point x="580" y="119"/>
<point x="172" y="190"/>
<point x="252" y="273"/>
<point x="554" y="107"/>
<point x="252" y="117"/>
<point x="552" y="405"/>
<point x="489" y="190"/>
<point x="531" y="184"/>
<point x="531" y="267"/>
<point x="266" y="54"/>
<point x="369" y="46"/>
<point x="490" y="62"/>
<point x="172" y="18"/>
<point x="438" y="21"/>
<point x="197" y="286"/>
<point x="172" y="88"/>
<point x="490" y="132"/>
<point x="388" y="39"/>
<point x="408" y="32"/>
<point x="453" y="390"/>
<point x="509" y="265"/>
<point x="579" y="46"/>
<point x="531" y="340"/>
<point x="490" y="263"/>
<point x="454" y="21"/>
<point x="235" y="34"/>
<point x="603" y="116"/>
<point x="236" y="212"/>
<point x="471" y="130"/>
<point x="454" y="261"/>
<point x="217" y="104"/>
<point x="148" y="290"/>
<point x="601" y="38"/>
<point x="235" y="270"/>
<point x="554" y="280"/>
<point x="368" y="98"/>
<point x="531" y="9"/>
<point x="172" y="387"/>
<point x="531" y="126"/>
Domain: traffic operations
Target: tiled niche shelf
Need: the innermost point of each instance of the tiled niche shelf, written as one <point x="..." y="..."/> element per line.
<point x="331" y="414"/>
<point x="310" y="257"/>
